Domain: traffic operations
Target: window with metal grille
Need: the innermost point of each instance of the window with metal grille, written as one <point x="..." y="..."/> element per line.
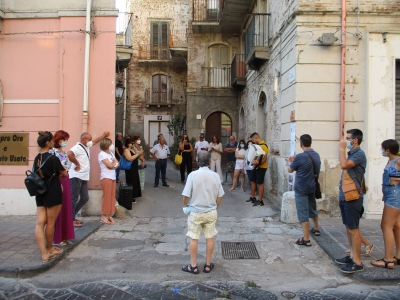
<point x="159" y="40"/>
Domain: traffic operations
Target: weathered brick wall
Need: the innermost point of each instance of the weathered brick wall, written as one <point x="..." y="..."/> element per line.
<point x="177" y="13"/>
<point x="364" y="5"/>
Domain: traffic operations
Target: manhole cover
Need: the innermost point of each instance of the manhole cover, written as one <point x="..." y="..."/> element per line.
<point x="239" y="250"/>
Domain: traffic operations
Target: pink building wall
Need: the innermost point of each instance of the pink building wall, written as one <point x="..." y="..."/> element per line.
<point x="50" y="67"/>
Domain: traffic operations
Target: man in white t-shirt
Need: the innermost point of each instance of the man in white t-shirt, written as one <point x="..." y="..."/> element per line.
<point x="79" y="173"/>
<point x="201" y="197"/>
<point x="160" y="152"/>
<point x="200" y="145"/>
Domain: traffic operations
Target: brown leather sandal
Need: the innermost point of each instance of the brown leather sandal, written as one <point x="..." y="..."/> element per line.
<point x="386" y="266"/>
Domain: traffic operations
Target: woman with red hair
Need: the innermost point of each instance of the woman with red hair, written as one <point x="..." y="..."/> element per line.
<point x="64" y="230"/>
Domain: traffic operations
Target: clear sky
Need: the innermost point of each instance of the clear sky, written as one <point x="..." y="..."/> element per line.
<point x="121" y="5"/>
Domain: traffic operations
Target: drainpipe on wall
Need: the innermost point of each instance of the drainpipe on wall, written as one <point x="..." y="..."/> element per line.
<point x="343" y="69"/>
<point x="85" y="113"/>
<point x="124" y="120"/>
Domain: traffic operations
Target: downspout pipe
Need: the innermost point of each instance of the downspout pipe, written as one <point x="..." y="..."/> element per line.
<point x="125" y="98"/>
<point x="85" y="112"/>
<point x="343" y="69"/>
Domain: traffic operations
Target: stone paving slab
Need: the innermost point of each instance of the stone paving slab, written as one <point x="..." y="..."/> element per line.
<point x="20" y="256"/>
<point x="333" y="241"/>
<point x="12" y="289"/>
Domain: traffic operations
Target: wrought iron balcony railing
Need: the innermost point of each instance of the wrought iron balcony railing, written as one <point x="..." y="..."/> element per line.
<point x="257" y="33"/>
<point x="154" y="52"/>
<point x="217" y="77"/>
<point x="124" y="30"/>
<point x="238" y="67"/>
<point x="158" y="97"/>
<point x="207" y="10"/>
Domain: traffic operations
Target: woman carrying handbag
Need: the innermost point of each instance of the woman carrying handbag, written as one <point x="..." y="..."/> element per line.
<point x="132" y="175"/>
<point x="186" y="149"/>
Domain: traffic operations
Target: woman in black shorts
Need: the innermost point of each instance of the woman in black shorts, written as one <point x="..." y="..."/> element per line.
<point x="49" y="203"/>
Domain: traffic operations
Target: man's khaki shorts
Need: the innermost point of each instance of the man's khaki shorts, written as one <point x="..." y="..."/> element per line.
<point x="198" y="222"/>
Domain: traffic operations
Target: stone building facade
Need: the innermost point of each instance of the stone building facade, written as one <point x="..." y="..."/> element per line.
<point x="283" y="59"/>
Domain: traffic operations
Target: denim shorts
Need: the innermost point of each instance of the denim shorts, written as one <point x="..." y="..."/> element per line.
<point x="351" y="212"/>
<point x="306" y="206"/>
<point x="391" y="194"/>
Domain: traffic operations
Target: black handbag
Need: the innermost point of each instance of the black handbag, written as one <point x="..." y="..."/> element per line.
<point x="318" y="194"/>
<point x="34" y="183"/>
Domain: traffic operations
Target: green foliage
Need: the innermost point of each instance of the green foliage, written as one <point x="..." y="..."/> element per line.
<point x="252" y="284"/>
<point x="176" y="128"/>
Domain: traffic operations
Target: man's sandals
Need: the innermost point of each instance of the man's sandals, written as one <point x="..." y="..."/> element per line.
<point x="386" y="265"/>
<point x="190" y="269"/>
<point x="209" y="267"/>
<point x="316" y="232"/>
<point x="303" y="242"/>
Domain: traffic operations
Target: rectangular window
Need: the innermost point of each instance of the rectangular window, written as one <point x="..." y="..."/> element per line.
<point x="397" y="97"/>
<point x="159" y="40"/>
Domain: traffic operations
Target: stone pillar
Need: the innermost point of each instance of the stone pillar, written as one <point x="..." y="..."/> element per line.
<point x="288" y="208"/>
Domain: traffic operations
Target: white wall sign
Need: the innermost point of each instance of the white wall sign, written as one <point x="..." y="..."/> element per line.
<point x="292" y="75"/>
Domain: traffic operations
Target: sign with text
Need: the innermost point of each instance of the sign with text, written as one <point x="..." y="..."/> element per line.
<point x="14" y="148"/>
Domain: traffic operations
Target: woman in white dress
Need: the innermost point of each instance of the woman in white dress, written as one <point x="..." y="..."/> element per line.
<point x="239" y="167"/>
<point x="215" y="148"/>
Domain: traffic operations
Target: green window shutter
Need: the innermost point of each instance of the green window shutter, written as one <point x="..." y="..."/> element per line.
<point x="154" y="33"/>
<point x="164" y="34"/>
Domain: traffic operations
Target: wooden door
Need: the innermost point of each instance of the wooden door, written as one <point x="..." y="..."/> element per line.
<point x="219" y="124"/>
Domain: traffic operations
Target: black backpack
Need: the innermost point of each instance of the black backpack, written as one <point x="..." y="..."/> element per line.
<point x="34" y="183"/>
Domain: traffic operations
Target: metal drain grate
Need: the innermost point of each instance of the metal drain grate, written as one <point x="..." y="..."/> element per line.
<point x="239" y="250"/>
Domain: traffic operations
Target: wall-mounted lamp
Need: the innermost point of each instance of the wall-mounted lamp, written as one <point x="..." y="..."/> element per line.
<point x="119" y="91"/>
<point x="384" y="37"/>
<point x="327" y="39"/>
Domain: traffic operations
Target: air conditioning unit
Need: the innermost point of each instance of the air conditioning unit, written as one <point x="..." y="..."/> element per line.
<point x="212" y="14"/>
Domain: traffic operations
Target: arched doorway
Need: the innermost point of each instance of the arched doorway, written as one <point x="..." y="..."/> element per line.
<point x="219" y="124"/>
<point x="261" y="116"/>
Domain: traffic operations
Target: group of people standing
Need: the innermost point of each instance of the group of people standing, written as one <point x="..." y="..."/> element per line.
<point x="66" y="175"/>
<point x="236" y="156"/>
<point x="351" y="191"/>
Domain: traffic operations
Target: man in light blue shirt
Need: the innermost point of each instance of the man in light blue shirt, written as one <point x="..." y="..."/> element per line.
<point x="201" y="197"/>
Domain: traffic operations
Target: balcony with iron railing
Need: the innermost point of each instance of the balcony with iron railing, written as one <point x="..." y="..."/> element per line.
<point x="206" y="14"/>
<point x="158" y="98"/>
<point x="178" y="47"/>
<point x="156" y="53"/>
<point x="238" y="71"/>
<point x="256" y="41"/>
<point x="217" y="77"/>
<point x="124" y="40"/>
<point x="220" y="16"/>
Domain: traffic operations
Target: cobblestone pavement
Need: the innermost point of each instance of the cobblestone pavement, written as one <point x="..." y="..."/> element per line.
<point x="149" y="247"/>
<point x="123" y="289"/>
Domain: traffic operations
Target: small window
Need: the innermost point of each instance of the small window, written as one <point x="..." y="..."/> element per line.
<point x="159" y="40"/>
<point x="159" y="89"/>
